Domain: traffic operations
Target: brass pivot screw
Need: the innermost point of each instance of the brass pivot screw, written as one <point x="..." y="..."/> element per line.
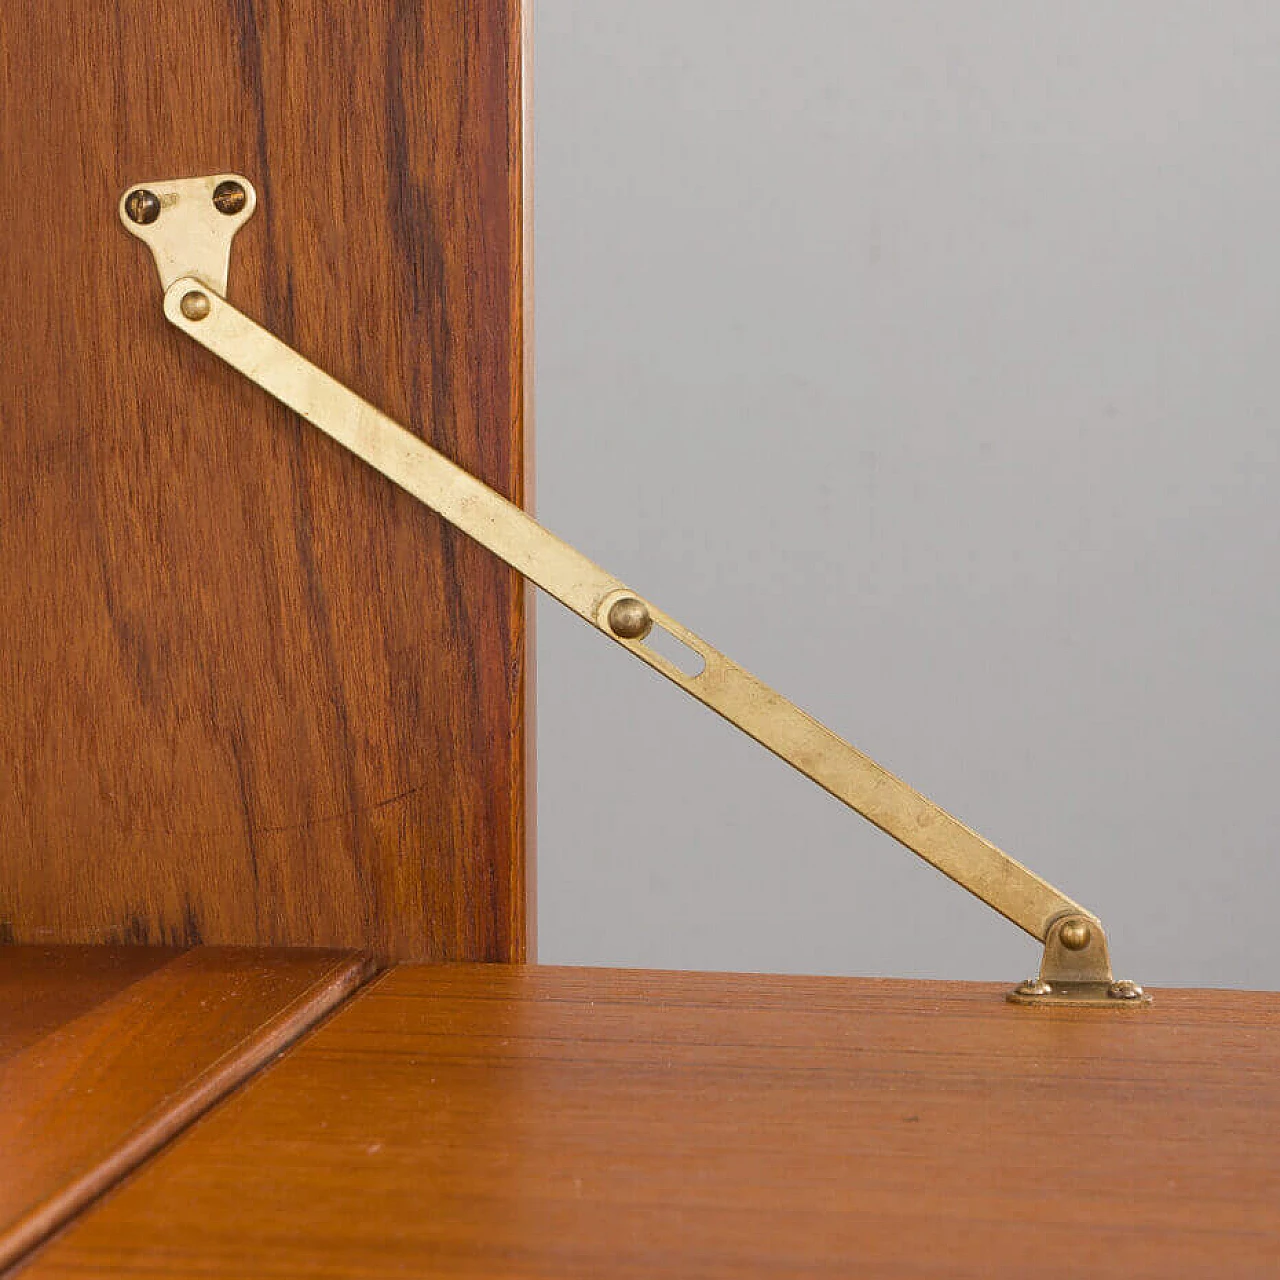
<point x="1125" y="990"/>
<point x="1034" y="987"/>
<point x="142" y="206"/>
<point x="194" y="305"/>
<point x="229" y="197"/>
<point x="629" y="618"/>
<point x="1075" y="935"/>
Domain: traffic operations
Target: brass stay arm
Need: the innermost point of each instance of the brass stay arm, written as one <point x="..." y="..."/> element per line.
<point x="192" y="257"/>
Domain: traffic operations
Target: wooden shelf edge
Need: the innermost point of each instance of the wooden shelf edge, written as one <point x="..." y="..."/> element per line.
<point x="289" y="991"/>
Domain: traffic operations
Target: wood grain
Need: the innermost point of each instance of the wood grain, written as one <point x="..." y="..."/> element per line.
<point x="87" y="1102"/>
<point x="41" y="988"/>
<point x="560" y="1123"/>
<point x="249" y="693"/>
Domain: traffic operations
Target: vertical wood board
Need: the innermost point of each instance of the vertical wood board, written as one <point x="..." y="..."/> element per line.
<point x="249" y="693"/>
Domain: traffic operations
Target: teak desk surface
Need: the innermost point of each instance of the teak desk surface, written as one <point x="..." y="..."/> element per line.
<point x="536" y="1122"/>
<point x="107" y="1052"/>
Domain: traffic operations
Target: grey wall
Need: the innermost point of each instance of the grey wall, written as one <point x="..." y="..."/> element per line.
<point x="923" y="357"/>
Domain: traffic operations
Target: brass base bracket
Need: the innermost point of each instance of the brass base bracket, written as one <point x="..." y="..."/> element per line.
<point x="1076" y="970"/>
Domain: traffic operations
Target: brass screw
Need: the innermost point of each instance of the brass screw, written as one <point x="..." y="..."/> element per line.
<point x="1033" y="987"/>
<point x="195" y="305"/>
<point x="1075" y="935"/>
<point x="630" y="619"/>
<point x="1125" y="990"/>
<point x="142" y="206"/>
<point x="229" y="197"/>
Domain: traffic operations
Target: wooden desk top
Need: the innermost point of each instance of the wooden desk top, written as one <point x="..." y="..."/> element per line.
<point x="531" y="1122"/>
<point x="43" y="988"/>
<point x="106" y="1053"/>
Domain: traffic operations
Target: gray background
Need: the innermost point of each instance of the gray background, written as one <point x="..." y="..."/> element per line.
<point x="923" y="358"/>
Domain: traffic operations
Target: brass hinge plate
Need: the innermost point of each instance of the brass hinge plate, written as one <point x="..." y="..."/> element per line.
<point x="189" y="223"/>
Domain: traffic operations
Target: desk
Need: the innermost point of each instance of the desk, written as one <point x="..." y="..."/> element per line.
<point x="537" y="1122"/>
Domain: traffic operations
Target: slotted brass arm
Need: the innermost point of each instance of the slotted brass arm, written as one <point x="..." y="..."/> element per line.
<point x="189" y="225"/>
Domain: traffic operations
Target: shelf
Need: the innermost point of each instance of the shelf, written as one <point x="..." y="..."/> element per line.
<point x="107" y="1052"/>
<point x="537" y="1122"/>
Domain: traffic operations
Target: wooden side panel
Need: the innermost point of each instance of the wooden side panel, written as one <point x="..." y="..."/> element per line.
<point x="86" y="1103"/>
<point x="248" y="693"/>
<point x="501" y="1121"/>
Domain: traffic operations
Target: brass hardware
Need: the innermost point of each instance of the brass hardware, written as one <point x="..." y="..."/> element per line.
<point x="1126" y="990"/>
<point x="189" y="223"/>
<point x="142" y="206"/>
<point x="1075" y="968"/>
<point x="1075" y="934"/>
<point x="1032" y="987"/>
<point x="195" y="305"/>
<point x="229" y="196"/>
<point x="630" y="618"/>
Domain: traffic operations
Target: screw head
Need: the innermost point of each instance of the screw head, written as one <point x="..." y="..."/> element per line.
<point x="1075" y="935"/>
<point x="629" y="618"/>
<point x="1125" y="990"/>
<point x="229" y="197"/>
<point x="195" y="305"/>
<point x="142" y="206"/>
<point x="1033" y="987"/>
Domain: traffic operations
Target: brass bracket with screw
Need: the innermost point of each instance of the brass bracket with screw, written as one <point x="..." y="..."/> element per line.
<point x="188" y="224"/>
<point x="1076" y="970"/>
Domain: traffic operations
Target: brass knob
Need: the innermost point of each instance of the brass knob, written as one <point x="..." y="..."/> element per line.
<point x="630" y="619"/>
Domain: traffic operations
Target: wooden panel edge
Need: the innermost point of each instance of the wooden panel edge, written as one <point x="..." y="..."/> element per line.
<point x="526" y="930"/>
<point x="342" y="978"/>
<point x="42" y="988"/>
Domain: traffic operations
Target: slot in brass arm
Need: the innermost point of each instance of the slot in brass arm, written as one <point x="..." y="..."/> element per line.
<point x="190" y="232"/>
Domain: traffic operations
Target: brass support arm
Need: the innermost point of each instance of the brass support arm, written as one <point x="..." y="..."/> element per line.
<point x="1076" y="967"/>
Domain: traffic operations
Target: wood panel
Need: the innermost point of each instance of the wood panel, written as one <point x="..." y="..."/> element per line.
<point x="41" y="988"/>
<point x="88" y="1101"/>
<point x="248" y="693"/>
<point x="561" y="1123"/>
